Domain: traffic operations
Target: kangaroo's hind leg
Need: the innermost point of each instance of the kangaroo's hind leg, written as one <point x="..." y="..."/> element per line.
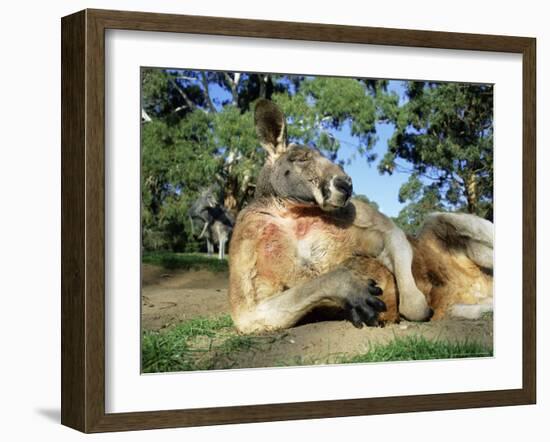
<point x="209" y="247"/>
<point x="470" y="233"/>
<point x="460" y="247"/>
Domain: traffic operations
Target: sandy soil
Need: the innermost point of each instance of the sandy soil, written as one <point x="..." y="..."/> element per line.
<point x="172" y="296"/>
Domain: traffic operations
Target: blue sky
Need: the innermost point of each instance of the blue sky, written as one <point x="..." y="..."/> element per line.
<point x="383" y="189"/>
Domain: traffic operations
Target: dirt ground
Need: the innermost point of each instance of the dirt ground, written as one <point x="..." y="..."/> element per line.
<point x="169" y="297"/>
<point x="172" y="296"/>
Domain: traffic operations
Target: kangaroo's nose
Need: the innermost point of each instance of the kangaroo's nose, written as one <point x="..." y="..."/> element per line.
<point x="343" y="184"/>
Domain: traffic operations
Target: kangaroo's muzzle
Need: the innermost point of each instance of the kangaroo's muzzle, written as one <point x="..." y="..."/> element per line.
<point x="337" y="192"/>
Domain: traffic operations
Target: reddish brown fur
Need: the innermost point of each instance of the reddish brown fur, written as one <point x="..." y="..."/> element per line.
<point x="267" y="249"/>
<point x="303" y="244"/>
<point x="446" y="277"/>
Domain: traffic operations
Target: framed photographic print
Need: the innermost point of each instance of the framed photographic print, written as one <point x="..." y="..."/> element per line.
<point x="269" y="220"/>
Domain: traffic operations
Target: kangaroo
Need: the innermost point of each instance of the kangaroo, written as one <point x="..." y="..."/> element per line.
<point x="304" y="243"/>
<point x="218" y="230"/>
<point x="214" y="220"/>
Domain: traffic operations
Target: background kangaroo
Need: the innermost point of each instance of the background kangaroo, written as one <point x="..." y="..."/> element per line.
<point x="211" y="220"/>
<point x="304" y="243"/>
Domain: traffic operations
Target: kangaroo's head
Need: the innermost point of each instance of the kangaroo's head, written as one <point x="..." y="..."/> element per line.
<point x="209" y="197"/>
<point x="297" y="173"/>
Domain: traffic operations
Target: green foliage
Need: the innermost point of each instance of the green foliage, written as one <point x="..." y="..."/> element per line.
<point x="199" y="130"/>
<point x="322" y="104"/>
<point x="444" y="138"/>
<point x="424" y="199"/>
<point x="190" y="139"/>
<point x="173" y="170"/>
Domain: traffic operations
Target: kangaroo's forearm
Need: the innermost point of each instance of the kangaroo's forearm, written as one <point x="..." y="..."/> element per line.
<point x="286" y="308"/>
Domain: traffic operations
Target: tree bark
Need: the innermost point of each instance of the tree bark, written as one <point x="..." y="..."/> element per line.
<point x="183" y="95"/>
<point x="231" y="200"/>
<point x="233" y="85"/>
<point x="209" y="102"/>
<point x="471" y="193"/>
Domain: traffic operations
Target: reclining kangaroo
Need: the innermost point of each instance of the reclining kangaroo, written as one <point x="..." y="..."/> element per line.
<point x="304" y="243"/>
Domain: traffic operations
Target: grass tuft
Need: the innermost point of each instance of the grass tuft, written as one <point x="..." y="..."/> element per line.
<point x="198" y="344"/>
<point x="213" y="343"/>
<point x="418" y="348"/>
<point x="185" y="261"/>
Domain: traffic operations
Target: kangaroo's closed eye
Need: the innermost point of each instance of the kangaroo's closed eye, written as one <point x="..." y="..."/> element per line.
<point x="299" y="157"/>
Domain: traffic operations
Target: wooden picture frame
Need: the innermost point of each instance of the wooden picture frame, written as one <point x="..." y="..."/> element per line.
<point x="83" y="220"/>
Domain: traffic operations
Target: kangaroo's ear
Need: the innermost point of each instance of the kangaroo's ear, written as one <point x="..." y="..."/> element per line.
<point x="270" y="127"/>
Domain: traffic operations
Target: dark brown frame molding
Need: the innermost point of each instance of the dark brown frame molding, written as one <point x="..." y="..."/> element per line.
<point x="83" y="216"/>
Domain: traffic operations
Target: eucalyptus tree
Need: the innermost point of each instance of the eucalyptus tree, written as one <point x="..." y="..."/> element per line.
<point x="443" y="139"/>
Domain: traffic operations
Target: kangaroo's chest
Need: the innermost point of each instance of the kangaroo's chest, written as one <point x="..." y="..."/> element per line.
<point x="306" y="246"/>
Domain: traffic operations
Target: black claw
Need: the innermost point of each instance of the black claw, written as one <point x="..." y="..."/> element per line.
<point x="377" y="304"/>
<point x="367" y="314"/>
<point x="373" y="288"/>
<point x="356" y="319"/>
<point x="364" y="307"/>
<point x="372" y="322"/>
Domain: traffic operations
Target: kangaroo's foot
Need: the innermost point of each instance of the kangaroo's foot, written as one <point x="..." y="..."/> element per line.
<point x="413" y="305"/>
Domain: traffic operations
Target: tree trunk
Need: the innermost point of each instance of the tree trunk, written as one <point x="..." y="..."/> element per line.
<point x="471" y="193"/>
<point x="231" y="200"/>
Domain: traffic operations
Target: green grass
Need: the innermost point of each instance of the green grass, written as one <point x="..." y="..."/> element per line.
<point x="198" y="344"/>
<point x="487" y="316"/>
<point x="213" y="343"/>
<point x="418" y="348"/>
<point x="185" y="261"/>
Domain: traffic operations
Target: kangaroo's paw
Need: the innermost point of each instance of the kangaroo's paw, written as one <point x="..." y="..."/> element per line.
<point x="364" y="307"/>
<point x="413" y="306"/>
